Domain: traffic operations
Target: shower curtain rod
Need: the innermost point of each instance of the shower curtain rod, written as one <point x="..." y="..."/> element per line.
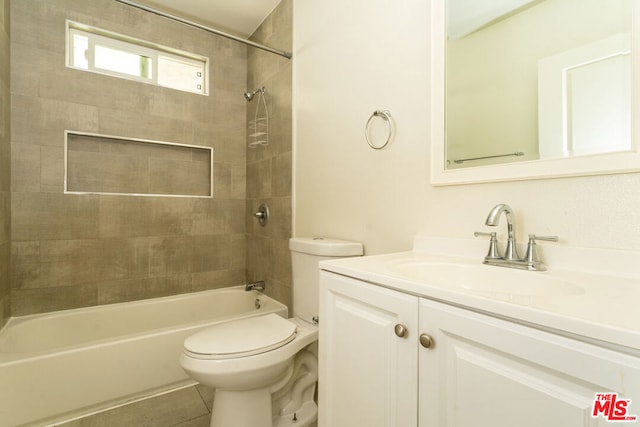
<point x="205" y="28"/>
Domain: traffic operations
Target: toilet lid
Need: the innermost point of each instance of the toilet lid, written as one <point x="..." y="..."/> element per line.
<point x="240" y="338"/>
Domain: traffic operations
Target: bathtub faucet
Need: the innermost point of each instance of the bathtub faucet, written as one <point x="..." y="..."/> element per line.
<point x="257" y="286"/>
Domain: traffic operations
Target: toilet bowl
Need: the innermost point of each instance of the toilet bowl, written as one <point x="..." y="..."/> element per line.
<point x="246" y="372"/>
<point x="264" y="368"/>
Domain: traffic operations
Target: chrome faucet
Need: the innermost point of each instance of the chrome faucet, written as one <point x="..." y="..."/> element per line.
<point x="511" y="259"/>
<point x="493" y="219"/>
<point x="260" y="285"/>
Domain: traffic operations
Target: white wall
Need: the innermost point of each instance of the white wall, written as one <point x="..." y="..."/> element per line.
<point x="357" y="56"/>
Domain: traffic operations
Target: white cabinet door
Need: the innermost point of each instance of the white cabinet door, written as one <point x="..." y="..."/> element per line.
<point x="368" y="375"/>
<point x="487" y="372"/>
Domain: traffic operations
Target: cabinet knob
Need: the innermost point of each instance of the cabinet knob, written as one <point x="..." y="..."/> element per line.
<point x="400" y="330"/>
<point x="426" y="341"/>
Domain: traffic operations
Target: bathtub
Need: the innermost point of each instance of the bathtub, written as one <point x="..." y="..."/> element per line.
<point x="60" y="365"/>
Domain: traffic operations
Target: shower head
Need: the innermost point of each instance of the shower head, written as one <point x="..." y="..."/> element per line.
<point x="249" y="95"/>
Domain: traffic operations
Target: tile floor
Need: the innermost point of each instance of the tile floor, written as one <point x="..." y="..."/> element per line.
<point x="189" y="407"/>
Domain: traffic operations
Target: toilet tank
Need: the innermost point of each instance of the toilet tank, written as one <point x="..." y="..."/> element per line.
<point x="306" y="253"/>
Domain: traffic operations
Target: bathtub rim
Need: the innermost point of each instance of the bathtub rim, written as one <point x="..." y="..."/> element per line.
<point x="18" y="357"/>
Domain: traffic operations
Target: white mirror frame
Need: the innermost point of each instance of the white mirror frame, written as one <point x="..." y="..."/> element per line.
<point x="597" y="164"/>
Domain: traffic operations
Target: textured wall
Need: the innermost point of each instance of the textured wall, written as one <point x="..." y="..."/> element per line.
<point x="82" y="250"/>
<point x="5" y="164"/>
<point x="269" y="167"/>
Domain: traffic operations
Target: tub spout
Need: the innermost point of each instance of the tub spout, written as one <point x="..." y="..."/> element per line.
<point x="260" y="285"/>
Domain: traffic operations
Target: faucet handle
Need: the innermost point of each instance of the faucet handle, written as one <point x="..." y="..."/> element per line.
<point x="531" y="257"/>
<point x="547" y="238"/>
<point x="494" y="252"/>
<point x="480" y="233"/>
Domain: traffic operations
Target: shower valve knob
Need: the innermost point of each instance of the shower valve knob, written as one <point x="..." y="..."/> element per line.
<point x="262" y="214"/>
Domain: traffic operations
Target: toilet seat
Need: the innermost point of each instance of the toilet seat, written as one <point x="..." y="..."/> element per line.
<point x="241" y="338"/>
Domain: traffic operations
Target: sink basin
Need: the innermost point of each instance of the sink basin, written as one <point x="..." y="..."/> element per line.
<point x="497" y="282"/>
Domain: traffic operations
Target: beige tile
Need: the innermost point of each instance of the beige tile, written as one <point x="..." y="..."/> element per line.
<point x="282" y="260"/>
<point x="25" y="264"/>
<point x="227" y="139"/>
<point x="210" y="253"/>
<point x="5" y="309"/>
<point x="206" y="280"/>
<point x="238" y="181"/>
<point x="127" y="217"/>
<point x="5" y="161"/>
<point x="47" y="34"/>
<point x="25" y="168"/>
<point x="139" y="149"/>
<point x="170" y="255"/>
<point x="121" y="123"/>
<point x="122" y="216"/>
<point x="115" y="291"/>
<point x="259" y="179"/>
<point x="69" y="262"/>
<point x="239" y="251"/>
<point x="281" y="292"/>
<point x="5" y="285"/>
<point x="5" y="215"/>
<point x="37" y="216"/>
<point x="281" y="221"/>
<point x="56" y="263"/>
<point x="52" y="169"/>
<point x="104" y="173"/>
<point x="221" y="180"/>
<point x="168" y="410"/>
<point x="43" y="121"/>
<point x="179" y="177"/>
<point x="281" y="175"/>
<point x="29" y="301"/>
<point x="259" y="258"/>
<point x="203" y="421"/>
<point x="207" y="394"/>
<point x="213" y="216"/>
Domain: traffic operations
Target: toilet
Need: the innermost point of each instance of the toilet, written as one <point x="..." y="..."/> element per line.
<point x="264" y="369"/>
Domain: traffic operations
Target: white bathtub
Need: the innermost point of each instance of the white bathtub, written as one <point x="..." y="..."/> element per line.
<point x="60" y="365"/>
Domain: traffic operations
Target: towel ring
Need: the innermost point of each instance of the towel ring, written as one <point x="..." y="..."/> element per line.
<point x="386" y="115"/>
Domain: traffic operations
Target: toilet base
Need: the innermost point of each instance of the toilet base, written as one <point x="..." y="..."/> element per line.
<point x="242" y="408"/>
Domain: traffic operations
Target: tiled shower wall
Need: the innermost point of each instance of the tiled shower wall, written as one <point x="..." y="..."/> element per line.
<point x="81" y="250"/>
<point x="269" y="167"/>
<point x="5" y="165"/>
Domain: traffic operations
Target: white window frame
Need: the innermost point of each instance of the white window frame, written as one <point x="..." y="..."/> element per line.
<point x="137" y="47"/>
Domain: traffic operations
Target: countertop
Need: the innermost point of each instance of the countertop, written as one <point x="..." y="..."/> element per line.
<point x="584" y="300"/>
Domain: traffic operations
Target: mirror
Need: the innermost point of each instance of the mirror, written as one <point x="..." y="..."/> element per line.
<point x="533" y="89"/>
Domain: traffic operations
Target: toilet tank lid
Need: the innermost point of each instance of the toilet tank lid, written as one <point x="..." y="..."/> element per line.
<point x="325" y="247"/>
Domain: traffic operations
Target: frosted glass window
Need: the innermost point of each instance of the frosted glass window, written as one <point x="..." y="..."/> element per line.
<point x="179" y="74"/>
<point x="99" y="51"/>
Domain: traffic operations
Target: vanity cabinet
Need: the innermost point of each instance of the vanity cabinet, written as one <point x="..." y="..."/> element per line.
<point x="476" y="370"/>
<point x="368" y="373"/>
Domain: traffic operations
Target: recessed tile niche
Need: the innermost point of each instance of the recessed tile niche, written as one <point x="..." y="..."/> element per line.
<point x="100" y="164"/>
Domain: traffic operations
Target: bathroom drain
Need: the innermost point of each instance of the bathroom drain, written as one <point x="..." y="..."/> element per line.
<point x="257" y="303"/>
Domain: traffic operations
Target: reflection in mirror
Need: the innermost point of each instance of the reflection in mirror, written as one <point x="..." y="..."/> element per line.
<point x="536" y="79"/>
